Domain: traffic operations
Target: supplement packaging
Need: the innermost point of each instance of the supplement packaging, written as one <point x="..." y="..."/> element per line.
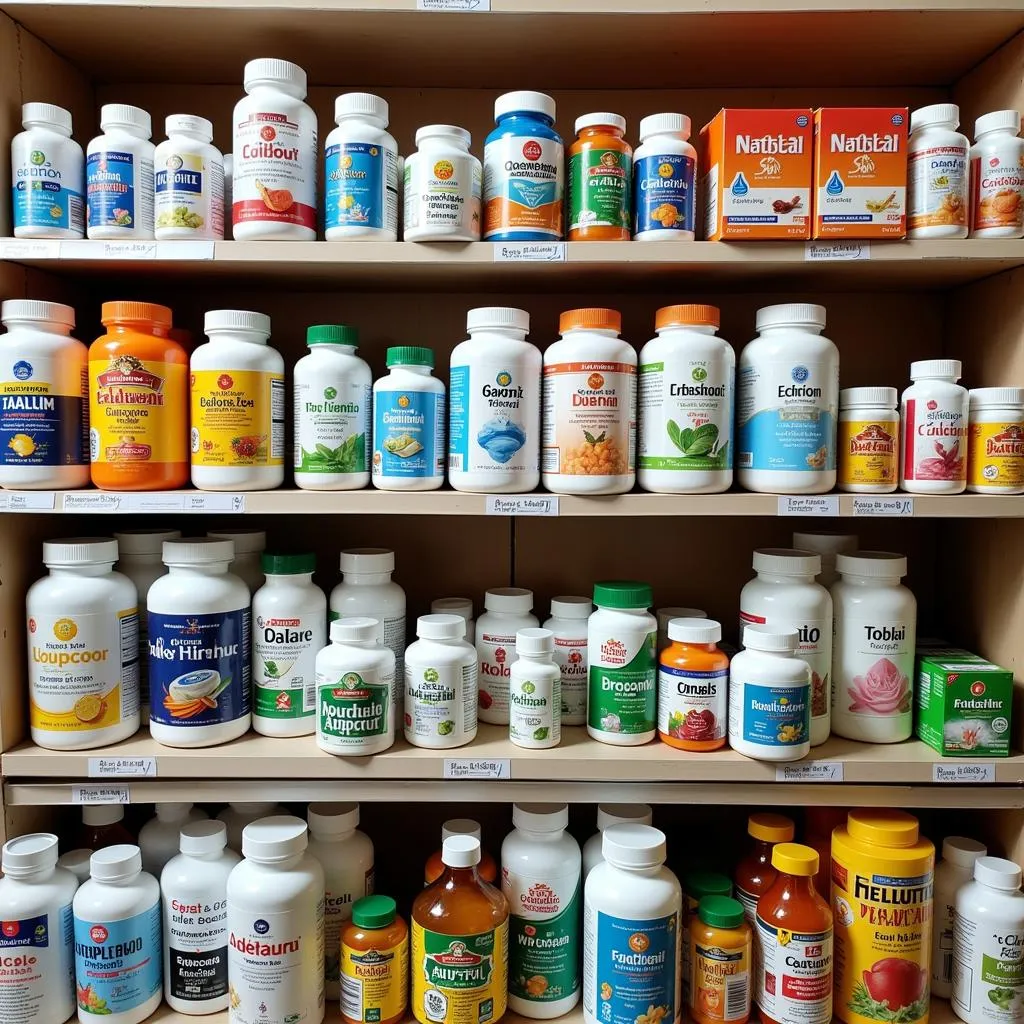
<point x="934" y="411"/>
<point x="568" y="624"/>
<point x="374" y="963"/>
<point x="938" y="178"/>
<point x="868" y="443"/>
<point x="189" y="181"/>
<point x="997" y="176"/>
<point x="600" y="180"/>
<point x="535" y="691"/>
<point x="442" y="187"/>
<point x="119" y="175"/>
<point x="664" y="180"/>
<point x="995" y="441"/>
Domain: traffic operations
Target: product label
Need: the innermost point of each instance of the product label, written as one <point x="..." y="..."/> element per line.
<point x="408" y="434"/>
<point x="995" y="455"/>
<point x="874" y="669"/>
<point x="37" y="969"/>
<point x="284" y="668"/>
<point x="721" y="982"/>
<point x="664" y="192"/>
<point x="353" y="708"/>
<point x="937" y="177"/>
<point x="362" y="186"/>
<point x="964" y="707"/>
<point x="623" y="682"/>
<point x="374" y="982"/>
<point x="333" y="423"/>
<point x="988" y="970"/>
<point x="934" y="439"/>
<point x="47" y="188"/>
<point x="771" y="716"/>
<point x="496" y="652"/>
<point x="43" y="414"/>
<point x="440" y="703"/>
<point x="997" y="188"/>
<point x="346" y="883"/>
<point x="190" y="194"/>
<point x="237" y="418"/>
<point x="868" y="452"/>
<point x="523" y="186"/>
<point x="571" y="658"/>
<point x="443" y="193"/>
<point x="599" y="189"/>
<point x="197" y="934"/>
<point x="119" y="188"/>
<point x="794" y="983"/>
<point x="535" y="702"/>
<point x="692" y="705"/>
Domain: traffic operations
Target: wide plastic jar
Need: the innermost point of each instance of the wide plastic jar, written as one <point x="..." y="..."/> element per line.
<point x="997" y="176"/>
<point x="119" y="175"/>
<point x="600" y="180"/>
<point x="995" y="441"/>
<point x="934" y="411"/>
<point x="442" y="187"/>
<point x="693" y="680"/>
<point x="937" y="173"/>
<point x="535" y="692"/>
<point x="664" y="180"/>
<point x="869" y="440"/>
<point x="608" y="815"/>
<point x="506" y="611"/>
<point x="568" y="624"/>
<point x="827" y="546"/>
<point x="247" y="563"/>
<point x="952" y="873"/>
<point x="189" y="181"/>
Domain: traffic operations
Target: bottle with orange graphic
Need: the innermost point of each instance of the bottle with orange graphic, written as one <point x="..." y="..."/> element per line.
<point x="693" y="676"/>
<point x="720" y="955"/>
<point x="600" y="180"/>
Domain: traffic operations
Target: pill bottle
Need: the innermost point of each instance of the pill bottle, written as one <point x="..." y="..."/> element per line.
<point x="952" y="873"/>
<point x="47" y="175"/>
<point x="997" y="176"/>
<point x="103" y="826"/>
<point x="937" y="173"/>
<point x="409" y="416"/>
<point x="77" y="862"/>
<point x="134" y="366"/>
<point x="535" y="691"/>
<point x="600" y="180"/>
<point x="696" y="886"/>
<point x="462" y="606"/>
<point x="442" y="187"/>
<point x="117" y="921"/>
<point x="506" y="611"/>
<point x="194" y="886"/>
<point x="355" y="686"/>
<point x="229" y="173"/>
<point x="934" y="411"/>
<point x="361" y="171"/>
<point x="440" y="684"/>
<point x="189" y="181"/>
<point x="274" y="151"/>
<point x="721" y="957"/>
<point x="237" y="815"/>
<point x="83" y="648"/>
<point x="869" y="439"/>
<point x="664" y="180"/>
<point x="487" y="868"/>
<point x="494" y="414"/>
<point x="276" y="924"/>
<point x="119" y="175"/>
<point x="540" y="877"/>
<point x="631" y="894"/>
<point x="158" y="838"/>
<point x="39" y="954"/>
<point x="375" y="963"/>
<point x="666" y="615"/>
<point x="568" y="625"/>
<point x="755" y="872"/>
<point x="827" y="545"/>
<point x="622" y="706"/>
<point x="693" y="681"/>
<point x="524" y="171"/>
<point x="588" y="413"/>
<point x="995" y="441"/>
<point x="607" y="815"/>
<point x="333" y="409"/>
<point x="200" y="656"/>
<point x="247" y="563"/>
<point x="787" y="398"/>
<point x="687" y="394"/>
<point x="44" y="403"/>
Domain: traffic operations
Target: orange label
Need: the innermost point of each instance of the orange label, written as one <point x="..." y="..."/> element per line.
<point x="237" y="418"/>
<point x="995" y="455"/>
<point x="868" y="452"/>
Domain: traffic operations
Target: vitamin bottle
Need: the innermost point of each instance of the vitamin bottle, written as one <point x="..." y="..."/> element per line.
<point x="103" y="826"/>
<point x="119" y="175"/>
<point x="997" y="176"/>
<point x="666" y="615"/>
<point x="47" y="175"/>
<point x="937" y="174"/>
<point x="361" y="172"/>
<point x="952" y="874"/>
<point x="434" y="868"/>
<point x="274" y="155"/>
<point x="722" y="956"/>
<point x="995" y="441"/>
<point x="44" y="398"/>
<point x="189" y="181"/>
<point x="459" y="941"/>
<point x="568" y="624"/>
<point x="442" y="187"/>
<point x="687" y="386"/>
<point x="535" y="691"/>
<point x="934" y="410"/>
<point x="239" y="814"/>
<point x="247" y="563"/>
<point x="589" y="406"/>
<point x="158" y="838"/>
<point x="664" y="180"/>
<point x="869" y="440"/>
<point x="375" y="963"/>
<point x="333" y="411"/>
<point x="697" y="885"/>
<point x="693" y="680"/>
<point x="827" y="545"/>
<point x="524" y="171"/>
<point x="540" y="878"/>
<point x="506" y="611"/>
<point x="608" y="815"/>
<point x="138" y="401"/>
<point x="755" y="873"/>
<point x="600" y="180"/>
<point x="461" y="606"/>
<point x="229" y="173"/>
<point x="494" y="416"/>
<point x="77" y="862"/>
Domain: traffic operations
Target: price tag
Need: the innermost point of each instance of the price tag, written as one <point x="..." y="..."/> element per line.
<point x="529" y="252"/>
<point x="107" y="767"/>
<point x="129" y="250"/>
<point x="213" y="502"/>
<point x="964" y="773"/>
<point x="29" y="249"/>
<point x="155" y="501"/>
<point x="469" y="6"/>
<point x="478" y="768"/>
<point x="833" y="251"/>
<point x="28" y="501"/>
<point x="522" y="505"/>
<point x="95" y="501"/>
<point x="810" y="771"/>
<point x="184" y="250"/>
<point x="899" y="507"/>
<point x="100" y="795"/>
<point x="800" y="505"/>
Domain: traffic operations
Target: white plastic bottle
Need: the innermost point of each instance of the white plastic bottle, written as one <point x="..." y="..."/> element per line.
<point x="229" y="174"/>
<point x="189" y="181"/>
<point x="607" y="815"/>
<point x="494" y="413"/>
<point x="787" y="400"/>
<point x="119" y="175"/>
<point x="47" y="175"/>
<point x="827" y="546"/>
<point x="952" y="873"/>
<point x="568" y="624"/>
<point x="934" y="413"/>
<point x="247" y="563"/>
<point x="239" y="814"/>
<point x="664" y="180"/>
<point x="997" y="176"/>
<point x="442" y="187"/>
<point x="462" y="606"/>
<point x="506" y="611"/>
<point x="937" y="173"/>
<point x="995" y="447"/>
<point x="535" y="692"/>
<point x="158" y="838"/>
<point x="541" y="879"/>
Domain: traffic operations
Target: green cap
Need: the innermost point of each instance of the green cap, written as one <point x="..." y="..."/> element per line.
<point x="410" y="355"/>
<point x="623" y="594"/>
<point x="721" y="911"/>
<point x="698" y="884"/>
<point x="287" y="565"/>
<point x="373" y="912"/>
<point x="332" y="334"/>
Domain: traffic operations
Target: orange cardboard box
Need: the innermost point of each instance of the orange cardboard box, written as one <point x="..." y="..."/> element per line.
<point x="860" y="172"/>
<point x="757" y="182"/>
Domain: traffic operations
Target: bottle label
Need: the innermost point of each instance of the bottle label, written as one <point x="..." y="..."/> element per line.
<point x="995" y="455"/>
<point x="332" y="426"/>
<point x="47" y="190"/>
<point x="623" y="683"/>
<point x="443" y="193"/>
<point x="408" y="434"/>
<point x="355" y="883"/>
<point x="571" y="658"/>
<point x="362" y="186"/>
<point x="934" y="440"/>
<point x="794" y="983"/>
<point x="874" y="668"/>
<point x="37" y="979"/>
<point x="523" y="186"/>
<point x="440" y="703"/>
<point x="997" y="189"/>
<point x="988" y="970"/>
<point x="495" y="653"/>
<point x="721" y="982"/>
<point x="43" y="414"/>
<point x="535" y="704"/>
<point x="770" y="716"/>
<point x="197" y="937"/>
<point x="353" y="708"/>
<point x="937" y="179"/>
<point x="868" y="452"/>
<point x="119" y="188"/>
<point x="374" y="982"/>
<point x="664" y="192"/>
<point x="284" y="669"/>
<point x="692" y="705"/>
<point x="237" y="418"/>
<point x="190" y="194"/>
<point x="599" y="189"/>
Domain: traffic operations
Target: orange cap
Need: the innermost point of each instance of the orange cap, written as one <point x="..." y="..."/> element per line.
<point x="595" y="319"/>
<point x="693" y="313"/>
<point x="139" y="312"/>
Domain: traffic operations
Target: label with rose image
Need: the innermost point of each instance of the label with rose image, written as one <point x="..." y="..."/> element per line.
<point x="934" y="440"/>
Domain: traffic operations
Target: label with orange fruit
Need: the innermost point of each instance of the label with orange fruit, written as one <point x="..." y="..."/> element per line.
<point x="664" y="192"/>
<point x="237" y="418"/>
<point x="361" y="190"/>
<point x="43" y="413"/>
<point x="720" y="985"/>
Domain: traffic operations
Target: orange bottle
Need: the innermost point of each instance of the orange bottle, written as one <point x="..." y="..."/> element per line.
<point x="434" y="868"/>
<point x="818" y="825"/>
<point x="374" y="963"/>
<point x="600" y="180"/>
<point x="720" y="955"/>
<point x="138" y="401"/>
<point x="693" y="677"/>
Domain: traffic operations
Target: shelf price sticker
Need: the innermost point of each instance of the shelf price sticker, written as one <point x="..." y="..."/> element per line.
<point x="831" y="252"/>
<point x="889" y="507"/>
<point x="807" y="505"/>
<point x="95" y="501"/>
<point x="113" y="767"/>
<point x="964" y="773"/>
<point x="27" y="501"/>
<point x="100" y="795"/>
<point x="522" y="505"/>
<point x="466" y="6"/>
<point x="28" y="249"/>
<point x="153" y="501"/>
<point x="529" y="252"/>
<point x="810" y="771"/>
<point x="478" y="768"/>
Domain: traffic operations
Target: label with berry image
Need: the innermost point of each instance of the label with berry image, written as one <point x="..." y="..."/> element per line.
<point x="496" y="652"/>
<point x="237" y="418"/>
<point x="935" y="440"/>
<point x="692" y="705"/>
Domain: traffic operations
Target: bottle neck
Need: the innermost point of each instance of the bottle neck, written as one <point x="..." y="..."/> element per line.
<point x="525" y="115"/>
<point x="417" y="368"/>
<point x="870" y="581"/>
<point x="289" y="579"/>
<point x="135" y="327"/>
<point x="685" y="645"/>
<point x="460" y="876"/>
<point x="212" y="569"/>
<point x="237" y="334"/>
<point x="598" y="130"/>
<point x="511" y="333"/>
<point x="39" y="326"/>
<point x="333" y="348"/>
<point x="604" y="332"/>
<point x="797" y="887"/>
<point x="191" y="136"/>
<point x="540" y="837"/>
<point x="363" y="645"/>
<point x="773" y="329"/>
<point x="97" y="569"/>
<point x="775" y="577"/>
<point x="706" y="329"/>
<point x="664" y="137"/>
<point x="359" y="579"/>
<point x="361" y="119"/>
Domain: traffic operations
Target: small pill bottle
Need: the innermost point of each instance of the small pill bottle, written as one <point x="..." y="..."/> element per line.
<point x="189" y="181"/>
<point x="934" y="412"/>
<point x="600" y="180"/>
<point x="938" y="178"/>
<point x="375" y="963"/>
<point x="869" y="440"/>
<point x="568" y="623"/>
<point x="664" y="180"/>
<point x="442" y="187"/>
<point x="995" y="441"/>
<point x="535" y="691"/>
<point x="997" y="176"/>
<point x="693" y="681"/>
<point x="721" y="962"/>
<point x="119" y="175"/>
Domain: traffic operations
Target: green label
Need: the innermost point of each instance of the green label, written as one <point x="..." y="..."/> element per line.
<point x="347" y="457"/>
<point x="599" y="189"/>
<point x="281" y="702"/>
<point x="544" y="950"/>
<point x="458" y="961"/>
<point x="1001" y="972"/>
<point x="332" y="425"/>
<point x="352" y="709"/>
<point x="623" y="684"/>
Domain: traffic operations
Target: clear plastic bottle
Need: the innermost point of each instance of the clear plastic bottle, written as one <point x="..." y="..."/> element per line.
<point x="952" y="873"/>
<point x="937" y="174"/>
<point x="535" y="691"/>
<point x="247" y="563"/>
<point x="158" y="838"/>
<point x="119" y="175"/>
<point x="664" y="180"/>
<point x="189" y="181"/>
<point x="442" y="187"/>
<point x="239" y="814"/>
<point x="997" y="176"/>
<point x="607" y="815"/>
<point x="506" y="611"/>
<point x="869" y="440"/>
<point x="568" y="624"/>
<point x="995" y="447"/>
<point x="934" y="412"/>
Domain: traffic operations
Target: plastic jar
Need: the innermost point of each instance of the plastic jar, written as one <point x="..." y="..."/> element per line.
<point x="83" y="646"/>
<point x="134" y="368"/>
<point x="755" y="873"/>
<point x="589" y="406"/>
<point x="247" y="563"/>
<point x="937" y="173"/>
<point x="600" y="180"/>
<point x="524" y="171"/>
<point x="119" y="175"/>
<point x="786" y="404"/>
<point x="666" y="615"/>
<point x="687" y="394"/>
<point x="696" y="886"/>
<point x="995" y="445"/>
<point x="693" y="681"/>
<point x="869" y="440"/>
<point x="274" y="151"/>
<point x="952" y="873"/>
<point x="239" y="814"/>
<point x="934" y="410"/>
<point x="664" y="180"/>
<point x="461" y="606"/>
<point x="189" y="181"/>
<point x="77" y="862"/>
<point x="200" y="655"/>
<point x="375" y="963"/>
<point x="361" y="171"/>
<point x="408" y="423"/>
<point x="607" y="815"/>
<point x="159" y="837"/>
<point x="442" y="187"/>
<point x="494" y="416"/>
<point x="540" y="877"/>
<point x="434" y="868"/>
<point x="45" y="153"/>
<point x="997" y="176"/>
<point x="103" y="826"/>
<point x="568" y="624"/>
<point x="333" y="408"/>
<point x="721" y="956"/>
<point x="827" y="545"/>
<point x="506" y="612"/>
<point x="535" y="691"/>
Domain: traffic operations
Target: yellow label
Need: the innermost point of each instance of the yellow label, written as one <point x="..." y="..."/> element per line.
<point x="721" y="980"/>
<point x="995" y="455"/>
<point x="374" y="982"/>
<point x="237" y="418"/>
<point x="868" y="452"/>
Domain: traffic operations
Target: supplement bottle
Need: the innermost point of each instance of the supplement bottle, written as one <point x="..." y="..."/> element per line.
<point x="786" y="403"/>
<point x="506" y="611"/>
<point x="664" y="180"/>
<point x="608" y="815"/>
<point x="194" y="888"/>
<point x="666" y="615"/>
<point x="346" y="856"/>
<point x="997" y="176"/>
<point x="276" y="924"/>
<point x="937" y="174"/>
<point x="934" y="410"/>
<point x="827" y="545"/>
<point x="361" y="172"/>
<point x="568" y="624"/>
<point x="189" y="181"/>
<point x="693" y="681"/>
<point x="38" y="982"/>
<point x="119" y="175"/>
<point x="200" y="655"/>
<point x="524" y="171"/>
<point x="441" y="697"/>
<point x="461" y="606"/>
<point x="434" y="868"/>
<point x="494" y="416"/>
<point x="952" y="874"/>
<point x="118" y="947"/>
<point x="237" y="405"/>
<point x="229" y="173"/>
<point x="631" y="895"/>
<point x="247" y="563"/>
<point x="408" y="423"/>
<point x="995" y="441"/>
<point x="882" y="971"/>
<point x="237" y="815"/>
<point x="138" y="401"/>
<point x="274" y="151"/>
<point x="540" y="878"/>
<point x="83" y="647"/>
<point x="158" y="838"/>
<point x="696" y="886"/>
<point x="588" y="409"/>
<point x="333" y="410"/>
<point x="77" y="862"/>
<point x="600" y="180"/>
<point x="869" y="440"/>
<point x="442" y="187"/>
<point x="722" y="957"/>
<point x="44" y="398"/>
<point x="535" y="691"/>
<point x="459" y="942"/>
<point x="687" y="386"/>
<point x="622" y="708"/>
<point x="374" y="963"/>
<point x="103" y="826"/>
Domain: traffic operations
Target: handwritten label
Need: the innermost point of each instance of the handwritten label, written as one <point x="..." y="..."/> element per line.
<point x="100" y="795"/>
<point x="964" y="773"/>
<point x="27" y="501"/>
<point x="529" y="252"/>
<point x="900" y="507"/>
<point x="467" y="6"/>
<point x="478" y="768"/>
<point x="810" y="771"/>
<point x="801" y="505"/>
<point x="108" y="767"/>
<point x="522" y="505"/>
<point x="128" y="250"/>
<point x="213" y="502"/>
<point x="95" y="501"/>
<point x="832" y="251"/>
<point x="29" y="249"/>
<point x="153" y="501"/>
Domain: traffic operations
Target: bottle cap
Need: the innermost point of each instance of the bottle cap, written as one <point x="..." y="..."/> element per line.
<point x="998" y="120"/>
<point x="287" y="565"/>
<point x="409" y="355"/>
<point x="720" y="911"/>
<point x="695" y="631"/>
<point x="541" y="817"/>
<point x="876" y="564"/>
<point x="46" y="113"/>
<point x="883" y="826"/>
<point x="867" y="396"/>
<point x="245" y="541"/>
<point x="122" y="311"/>
<point x="623" y="814"/>
<point x="534" y="641"/>
<point x="77" y="862"/>
<point x="143" y="542"/>
<point x="102" y="814"/>
<point x="236" y="320"/>
<point x="633" y="846"/>
<point x="499" y="318"/>
<point x="441" y="627"/>
<point x="367" y="561"/>
<point x="666" y="615"/>
<point x="961" y="851"/>
<point x="198" y="551"/>
<point x="936" y="113"/>
<point x="332" y="334"/>
<point x="600" y="118"/>
<point x="460" y="827"/>
<point x="698" y="884"/>
<point x="923" y="369"/>
<point x="29" y="854"/>
<point x="173" y="812"/>
<point x="123" y="115"/>
<point x="459" y="136"/>
<point x="786" y="562"/>
<point x="355" y="629"/>
<point x="569" y="607"/>
<point x="797" y="314"/>
<point x="795" y="859"/>
<point x="275" y="839"/>
<point x="36" y="311"/>
<point x="688" y="313"/>
<point x="280" y="72"/>
<point x="593" y="319"/>
<point x="622" y="594"/>
<point x="461" y="851"/>
<point x="775" y="641"/>
<point x="332" y="820"/>
<point x="512" y="600"/>
<point x="980" y="397"/>
<point x="525" y="101"/>
<point x="997" y="873"/>
<point x="79" y="551"/>
<point x="665" y="124"/>
<point x="115" y="863"/>
<point x="771" y="828"/>
<point x="361" y="104"/>
<point x="461" y="606"/>
<point x="190" y="123"/>
<point x="374" y="911"/>
<point x="202" y="837"/>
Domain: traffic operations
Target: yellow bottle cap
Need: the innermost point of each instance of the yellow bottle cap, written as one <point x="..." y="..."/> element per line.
<point x="883" y="827"/>
<point x="795" y="859"/>
<point x="771" y="828"/>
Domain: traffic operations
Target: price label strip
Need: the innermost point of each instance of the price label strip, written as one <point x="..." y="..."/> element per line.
<point x="522" y="505"/>
<point x="478" y="768"/>
<point x="100" y="795"/>
<point x="962" y="773"/>
<point x="810" y="771"/>
<point x="116" y="767"/>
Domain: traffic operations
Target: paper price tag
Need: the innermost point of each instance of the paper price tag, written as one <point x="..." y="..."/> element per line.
<point x="799" y="505"/>
<point x="811" y="771"/>
<point x="529" y="252"/>
<point x="100" y="795"/>
<point x="27" y="501"/>
<point x="94" y="501"/>
<point x="213" y="502"/>
<point x="29" y="249"/>
<point x="478" y="768"/>
<point x="833" y="251"/>
<point x="108" y="767"/>
<point x="964" y="773"/>
<point x="184" y="250"/>
<point x="129" y="250"/>
<point x="468" y="6"/>
<point x="522" y="505"/>
<point x="898" y="507"/>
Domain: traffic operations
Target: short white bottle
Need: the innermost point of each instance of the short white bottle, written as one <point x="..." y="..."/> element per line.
<point x="535" y="691"/>
<point x="247" y="563"/>
<point x="158" y="838"/>
<point x="189" y="181"/>
<point x="442" y="187"/>
<point x="938" y="177"/>
<point x="827" y="545"/>
<point x="506" y="611"/>
<point x="997" y="176"/>
<point x="119" y="175"/>
<point x="995" y="446"/>
<point x="241" y="813"/>
<point x="462" y="606"/>
<point x="664" y="180"/>
<point x="869" y="440"/>
<point x="952" y="873"/>
<point x="568" y="624"/>
<point x="666" y="615"/>
<point x="607" y="815"/>
<point x="934" y="414"/>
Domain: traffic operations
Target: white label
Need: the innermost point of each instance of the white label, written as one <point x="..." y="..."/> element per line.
<point x="496" y="653"/>
<point x="810" y="771"/>
<point x="693" y="705"/>
<point x="988" y="960"/>
<point x="106" y="767"/>
<point x="571" y="658"/>
<point x="440" y="704"/>
<point x="442" y="191"/>
<point x="93" y="501"/>
<point x="284" y="648"/>
<point x="935" y="439"/>
<point x="27" y="501"/>
<point x="529" y="252"/>
<point x="535" y="705"/>
<point x="129" y="250"/>
<point x="522" y="505"/>
<point x="38" y="979"/>
<point x="794" y="976"/>
<point x="468" y="6"/>
<point x="213" y="503"/>
<point x="156" y="501"/>
<point x="899" y="507"/>
<point x="478" y="768"/>
<point x="195" y="932"/>
<point x="16" y="249"/>
<point x="524" y="182"/>
<point x="198" y="250"/>
<point x="100" y="795"/>
<point x="937" y="180"/>
<point x="806" y="506"/>
<point x="332" y="424"/>
<point x="833" y="251"/>
<point x="963" y="773"/>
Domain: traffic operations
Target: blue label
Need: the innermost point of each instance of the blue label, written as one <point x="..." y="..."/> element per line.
<point x="458" y="417"/>
<point x="775" y="439"/>
<point x="28" y="931"/>
<point x="118" y="964"/>
<point x="47" y="204"/>
<point x="199" y="668"/>
<point x="776" y="716"/>
<point x="38" y="428"/>
<point x="355" y="185"/>
<point x="636" y="968"/>
<point x="408" y="434"/>
<point x="110" y="187"/>
<point x="180" y="181"/>
<point x="663" y="187"/>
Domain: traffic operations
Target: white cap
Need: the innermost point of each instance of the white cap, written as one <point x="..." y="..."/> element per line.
<point x="440" y="627"/>
<point x="961" y="851"/>
<point x="193" y="124"/>
<point x="786" y="562"/>
<point x="143" y="542"/>
<point x="877" y="564"/>
<point x="825" y="543"/>
<point x="116" y="863"/>
<point x="534" y="641"/>
<point x="460" y="827"/>
<point x="763" y="638"/>
<point x="274" y="839"/>
<point x="77" y="862"/>
<point x="500" y="317"/>
<point x="173" y="811"/>
<point x="998" y="120"/>
<point x="198" y="551"/>
<point x="281" y="72"/>
<point x="444" y="131"/>
<point x="633" y="846"/>
<point x="979" y="397"/>
<point x="935" y="368"/>
<point x="535" y="102"/>
<point x="48" y="114"/>
<point x="541" y="817"/>
<point x="460" y="851"/>
<point x="666" y="615"/>
<point x="367" y="561"/>
<point x="665" y="124"/>
<point x="245" y="541"/>
<point x="997" y="873"/>
<point x="567" y="607"/>
<point x="867" y="396"/>
<point x="236" y="320"/>
<point x="123" y="115"/>
<point x="202" y="837"/>
<point x="79" y="551"/>
<point x="332" y="820"/>
<point x="798" y="313"/>
<point x="102" y="814"/>
<point x="936" y="113"/>
<point x="360" y="104"/>
<point x="623" y="814"/>
<point x="37" y="311"/>
<point x="30" y="854"/>
<point x="600" y="117"/>
<point x="355" y="629"/>
<point x="453" y="606"/>
<point x="695" y="631"/>
<point x="509" y="599"/>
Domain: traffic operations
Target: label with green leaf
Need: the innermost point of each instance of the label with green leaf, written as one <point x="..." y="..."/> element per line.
<point x="332" y="426"/>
